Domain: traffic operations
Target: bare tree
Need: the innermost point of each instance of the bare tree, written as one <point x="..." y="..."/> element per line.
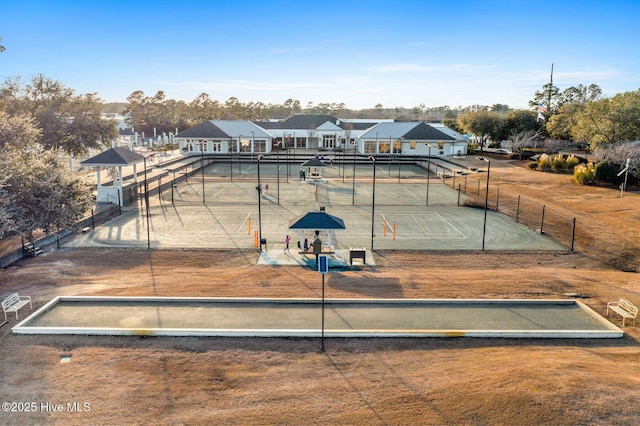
<point x="619" y="153"/>
<point x="523" y="139"/>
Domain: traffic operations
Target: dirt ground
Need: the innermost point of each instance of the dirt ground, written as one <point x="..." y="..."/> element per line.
<point x="185" y="380"/>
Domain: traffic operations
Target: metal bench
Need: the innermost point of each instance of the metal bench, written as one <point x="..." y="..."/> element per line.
<point x="625" y="309"/>
<point x="13" y="303"/>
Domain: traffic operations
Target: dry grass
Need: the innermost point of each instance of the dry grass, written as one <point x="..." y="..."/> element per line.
<point x="135" y="380"/>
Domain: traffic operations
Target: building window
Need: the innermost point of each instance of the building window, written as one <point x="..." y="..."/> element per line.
<point x="260" y="145"/>
<point x="384" y="147"/>
<point x="412" y="145"/>
<point x="369" y="147"/>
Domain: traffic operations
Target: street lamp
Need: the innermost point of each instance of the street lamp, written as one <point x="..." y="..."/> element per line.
<point x="399" y="159"/>
<point x="428" y="171"/>
<point x="373" y="199"/>
<point x="253" y="143"/>
<point x="486" y="199"/>
<point x="259" y="190"/>
<point x="202" y="170"/>
<point x="146" y="201"/>
<point x="353" y="181"/>
<point x="239" y="156"/>
<point x="390" y="153"/>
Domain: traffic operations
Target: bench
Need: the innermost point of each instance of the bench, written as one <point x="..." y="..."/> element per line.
<point x="357" y="254"/>
<point x="624" y="308"/>
<point x="13" y="303"/>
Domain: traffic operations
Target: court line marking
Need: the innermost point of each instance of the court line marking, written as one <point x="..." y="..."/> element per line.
<point x="411" y="193"/>
<point x="223" y="188"/>
<point x="448" y="223"/>
<point x="180" y="222"/>
<point x="243" y="223"/>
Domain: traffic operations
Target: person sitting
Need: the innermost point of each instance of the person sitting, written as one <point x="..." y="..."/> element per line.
<point x="306" y="244"/>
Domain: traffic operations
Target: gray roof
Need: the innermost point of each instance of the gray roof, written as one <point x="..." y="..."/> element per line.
<point x="406" y="130"/>
<point x="118" y="156"/>
<point x="314" y="162"/>
<point x="317" y="221"/>
<point x="241" y="128"/>
<point x="205" y="129"/>
<point x="395" y="130"/>
<point x="425" y="132"/>
<point x="305" y="122"/>
<point x="224" y="129"/>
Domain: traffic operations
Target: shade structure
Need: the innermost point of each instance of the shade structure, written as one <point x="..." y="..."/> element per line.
<point x="320" y="221"/>
<point x="317" y="221"/>
<point x="115" y="159"/>
<point x="314" y="162"/>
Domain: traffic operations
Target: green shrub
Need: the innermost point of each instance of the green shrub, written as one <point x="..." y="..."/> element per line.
<point x="533" y="166"/>
<point x="545" y="162"/>
<point x="608" y="172"/>
<point x="584" y="174"/>
<point x="572" y="162"/>
<point x="557" y="163"/>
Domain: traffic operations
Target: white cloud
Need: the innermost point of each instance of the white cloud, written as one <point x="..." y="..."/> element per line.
<point x="410" y="67"/>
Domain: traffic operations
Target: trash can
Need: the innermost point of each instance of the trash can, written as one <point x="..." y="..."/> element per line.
<point x="263" y="242"/>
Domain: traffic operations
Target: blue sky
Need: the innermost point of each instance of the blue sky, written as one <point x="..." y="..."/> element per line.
<point x="396" y="53"/>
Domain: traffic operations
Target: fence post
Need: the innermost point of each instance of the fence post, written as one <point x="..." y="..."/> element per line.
<point x="573" y="234"/>
<point x="93" y="224"/>
<point x="458" y="195"/>
<point x="497" y="197"/>
<point x="518" y="209"/>
<point x="542" y="221"/>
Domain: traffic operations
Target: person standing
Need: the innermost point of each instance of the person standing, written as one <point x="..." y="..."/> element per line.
<point x="287" y="239"/>
<point x="266" y="188"/>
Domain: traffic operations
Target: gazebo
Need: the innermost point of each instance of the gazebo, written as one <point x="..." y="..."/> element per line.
<point x="317" y="221"/>
<point x="314" y="163"/>
<point x="114" y="159"/>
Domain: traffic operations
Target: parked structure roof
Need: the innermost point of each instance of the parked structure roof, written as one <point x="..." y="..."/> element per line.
<point x="317" y="221"/>
<point x="118" y="156"/>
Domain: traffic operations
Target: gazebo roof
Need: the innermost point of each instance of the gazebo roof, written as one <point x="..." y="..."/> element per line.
<point x="317" y="221"/>
<point x="118" y="156"/>
<point x="314" y="162"/>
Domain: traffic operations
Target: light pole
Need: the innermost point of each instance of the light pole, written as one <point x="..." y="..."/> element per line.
<point x="259" y="190"/>
<point x="239" y="156"/>
<point x="253" y="143"/>
<point x="146" y="201"/>
<point x="202" y="170"/>
<point x="230" y="148"/>
<point x="399" y="159"/>
<point x="279" y="147"/>
<point x="428" y="171"/>
<point x="373" y="199"/>
<point x="390" y="153"/>
<point x="353" y="181"/>
<point x="486" y="199"/>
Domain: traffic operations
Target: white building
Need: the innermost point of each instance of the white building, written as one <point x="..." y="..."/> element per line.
<point x="322" y="132"/>
<point x="224" y="136"/>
